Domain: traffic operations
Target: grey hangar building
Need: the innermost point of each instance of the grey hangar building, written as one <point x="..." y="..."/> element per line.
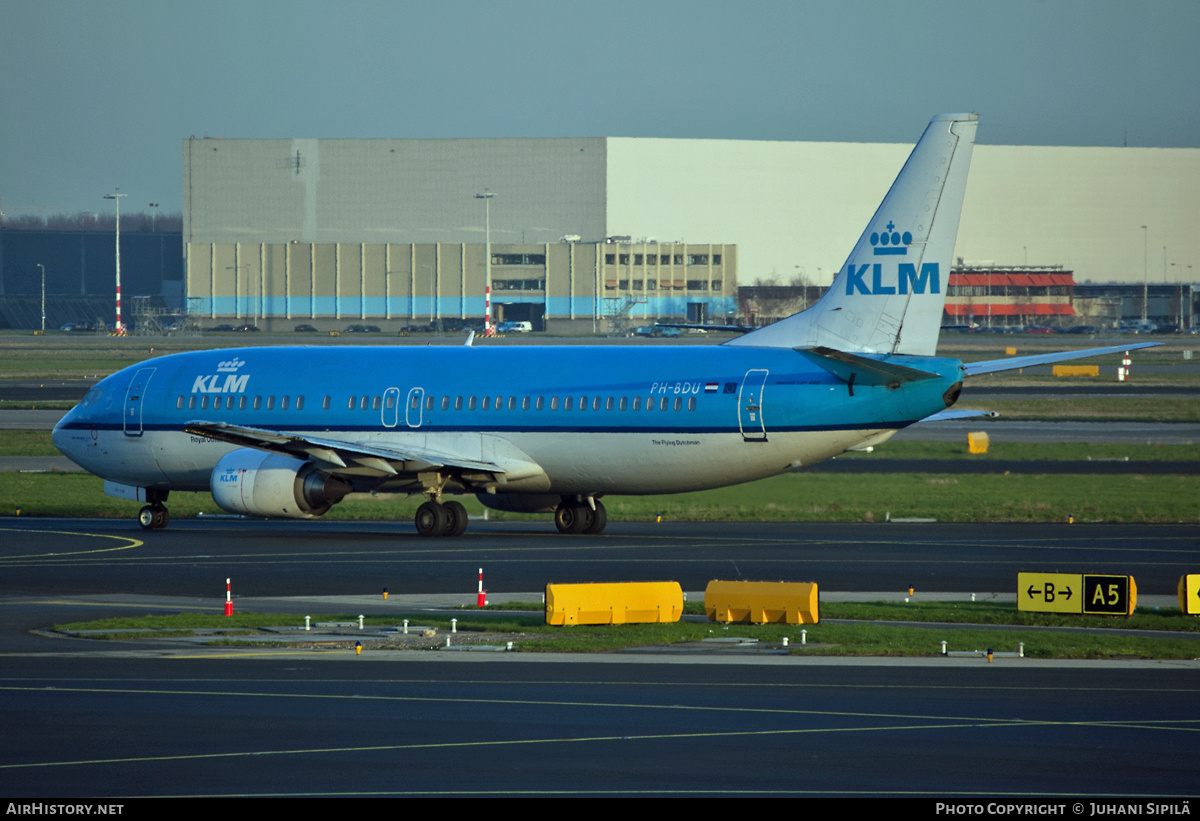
<point x="592" y="234"/>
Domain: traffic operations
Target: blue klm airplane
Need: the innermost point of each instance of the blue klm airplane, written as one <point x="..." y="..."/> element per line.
<point x="290" y="431"/>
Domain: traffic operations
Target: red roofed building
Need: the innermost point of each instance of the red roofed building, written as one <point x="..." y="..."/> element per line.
<point x="1020" y="295"/>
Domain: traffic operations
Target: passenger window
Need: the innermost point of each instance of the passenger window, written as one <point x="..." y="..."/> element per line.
<point x="283" y="403"/>
<point x="624" y="403"/>
<point x="691" y="403"/>
<point x="258" y="402"/>
<point x="567" y="404"/>
<point x="377" y="403"/>
<point x="299" y="403"/>
<point x="203" y="403"/>
<point x="637" y="403"/>
<point x="471" y="403"/>
<point x="583" y="403"/>
<point x="662" y="404"/>
<point x="596" y="403"/>
<point x="326" y="403"/>
<point x="229" y="402"/>
<point x="415" y="401"/>
<point x="512" y="403"/>
<point x="458" y="403"/>
<point x="362" y="403"/>
<point x="445" y="403"/>
<point x="525" y="403"/>
<point x="352" y="401"/>
<point x="499" y="403"/>
<point x="429" y="402"/>
<point x="179" y="403"/>
<point x="678" y="403"/>
<point x="191" y="403"/>
<point x="391" y="401"/>
<point x="553" y="403"/>
<point x="487" y="403"/>
<point x="608" y="405"/>
<point x="540" y="403"/>
<point x="242" y="402"/>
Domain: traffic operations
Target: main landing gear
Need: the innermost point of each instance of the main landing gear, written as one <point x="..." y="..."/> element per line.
<point x="441" y="519"/>
<point x="574" y="516"/>
<point x="154" y="517"/>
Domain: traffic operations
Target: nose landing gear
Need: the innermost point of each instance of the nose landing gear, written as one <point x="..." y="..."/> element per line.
<point x="154" y="517"/>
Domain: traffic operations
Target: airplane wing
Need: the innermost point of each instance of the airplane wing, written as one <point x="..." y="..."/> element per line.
<point x="339" y="457"/>
<point x="1012" y="363"/>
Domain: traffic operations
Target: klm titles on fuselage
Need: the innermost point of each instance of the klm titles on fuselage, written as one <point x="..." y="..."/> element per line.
<point x="226" y="380"/>
<point x="903" y="279"/>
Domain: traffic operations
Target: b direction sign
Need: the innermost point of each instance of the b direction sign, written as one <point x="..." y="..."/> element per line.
<point x="1084" y="594"/>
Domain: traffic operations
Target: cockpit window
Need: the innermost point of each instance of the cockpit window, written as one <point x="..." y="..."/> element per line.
<point x="91" y="397"/>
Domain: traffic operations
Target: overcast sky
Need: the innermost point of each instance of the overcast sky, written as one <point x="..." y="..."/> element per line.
<point x="100" y="95"/>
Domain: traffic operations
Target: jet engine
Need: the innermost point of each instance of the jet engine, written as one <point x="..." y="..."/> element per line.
<point x="270" y="484"/>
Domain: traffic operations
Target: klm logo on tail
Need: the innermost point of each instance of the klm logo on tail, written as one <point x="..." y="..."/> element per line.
<point x="902" y="278"/>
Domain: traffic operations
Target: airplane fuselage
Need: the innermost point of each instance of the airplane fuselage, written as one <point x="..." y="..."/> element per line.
<point x="595" y="420"/>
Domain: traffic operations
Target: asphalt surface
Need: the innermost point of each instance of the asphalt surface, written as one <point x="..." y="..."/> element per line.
<point x="114" y="720"/>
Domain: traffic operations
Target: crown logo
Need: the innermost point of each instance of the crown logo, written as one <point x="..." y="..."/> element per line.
<point x="891" y="242"/>
<point x="230" y="365"/>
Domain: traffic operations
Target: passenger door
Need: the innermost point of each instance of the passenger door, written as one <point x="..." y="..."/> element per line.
<point x="134" y="400"/>
<point x="750" y="405"/>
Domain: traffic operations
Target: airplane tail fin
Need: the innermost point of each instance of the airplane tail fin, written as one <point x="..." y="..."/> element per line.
<point x="889" y="296"/>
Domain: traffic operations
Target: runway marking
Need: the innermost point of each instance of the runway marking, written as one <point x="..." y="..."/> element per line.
<point x="132" y="543"/>
<point x="930" y="724"/>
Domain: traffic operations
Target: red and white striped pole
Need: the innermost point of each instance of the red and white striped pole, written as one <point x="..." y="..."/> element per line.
<point x="228" y="599"/>
<point x="481" y="599"/>
<point x="487" y="310"/>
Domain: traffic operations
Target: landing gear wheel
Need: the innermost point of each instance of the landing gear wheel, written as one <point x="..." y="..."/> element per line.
<point x="598" y="520"/>
<point x="456" y="519"/>
<point x="153" y="517"/>
<point x="569" y="517"/>
<point x="431" y="519"/>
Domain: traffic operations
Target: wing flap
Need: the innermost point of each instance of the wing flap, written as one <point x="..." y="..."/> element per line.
<point x="337" y="456"/>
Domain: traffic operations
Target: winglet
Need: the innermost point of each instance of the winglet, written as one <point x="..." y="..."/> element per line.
<point x="889" y="296"/>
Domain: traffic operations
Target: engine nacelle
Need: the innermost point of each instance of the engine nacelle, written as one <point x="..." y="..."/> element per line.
<point x="520" y="502"/>
<point x="270" y="484"/>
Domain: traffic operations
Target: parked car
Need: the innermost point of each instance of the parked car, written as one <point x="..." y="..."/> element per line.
<point x="220" y="328"/>
<point x="643" y="330"/>
<point x="361" y="329"/>
<point x="304" y="329"/>
<point x="517" y="327"/>
<point x="245" y="328"/>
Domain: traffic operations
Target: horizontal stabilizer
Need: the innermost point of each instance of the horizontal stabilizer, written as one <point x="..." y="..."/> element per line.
<point x="954" y="415"/>
<point x="1012" y="363"/>
<point x="860" y="370"/>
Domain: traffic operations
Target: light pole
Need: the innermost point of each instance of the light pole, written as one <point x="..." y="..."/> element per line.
<point x="120" y="327"/>
<point x="153" y="215"/>
<point x="1145" y="272"/>
<point x="487" y="196"/>
<point x="43" y="267"/>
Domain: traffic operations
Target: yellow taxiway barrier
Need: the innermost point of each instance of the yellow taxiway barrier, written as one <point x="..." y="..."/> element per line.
<point x="1189" y="594"/>
<point x="762" y="602"/>
<point x="629" y="603"/>
<point x="1076" y="370"/>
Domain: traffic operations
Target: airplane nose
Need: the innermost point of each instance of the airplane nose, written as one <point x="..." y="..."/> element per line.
<point x="58" y="435"/>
